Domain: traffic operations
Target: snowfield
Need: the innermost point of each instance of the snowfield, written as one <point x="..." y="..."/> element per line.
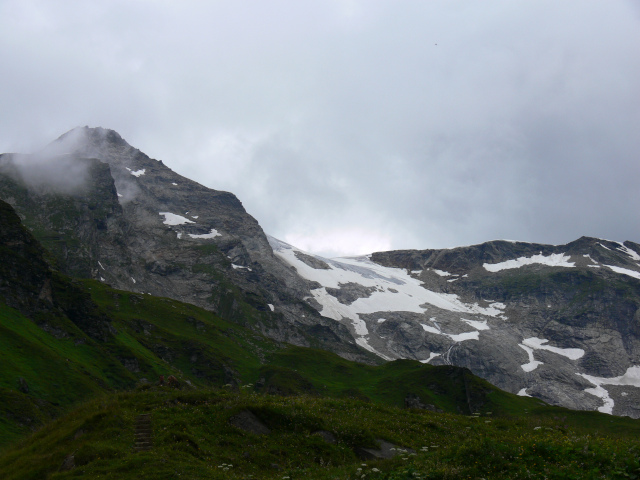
<point x="394" y="290"/>
<point x="553" y="260"/>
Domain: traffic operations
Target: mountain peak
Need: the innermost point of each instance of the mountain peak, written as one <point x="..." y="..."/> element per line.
<point x="88" y="142"/>
<point x="92" y="134"/>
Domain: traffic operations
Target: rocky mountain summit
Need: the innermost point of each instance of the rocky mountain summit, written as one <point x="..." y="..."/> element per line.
<point x="561" y="323"/>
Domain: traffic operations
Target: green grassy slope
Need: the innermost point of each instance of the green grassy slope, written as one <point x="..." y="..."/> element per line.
<point x="445" y="388"/>
<point x="148" y="337"/>
<point x="193" y="437"/>
<point x="91" y="356"/>
<point x="152" y="336"/>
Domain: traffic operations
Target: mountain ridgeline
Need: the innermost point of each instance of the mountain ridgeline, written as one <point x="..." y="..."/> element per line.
<point x="560" y="323"/>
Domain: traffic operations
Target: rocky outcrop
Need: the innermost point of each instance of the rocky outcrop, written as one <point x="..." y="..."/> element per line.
<point x="28" y="284"/>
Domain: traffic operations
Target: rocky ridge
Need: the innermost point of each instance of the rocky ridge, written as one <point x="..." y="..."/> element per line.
<point x="561" y="323"/>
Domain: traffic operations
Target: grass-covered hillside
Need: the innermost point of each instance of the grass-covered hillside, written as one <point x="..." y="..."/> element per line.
<point x="240" y="434"/>
<point x="46" y="368"/>
<point x="45" y="371"/>
<point x="80" y="397"/>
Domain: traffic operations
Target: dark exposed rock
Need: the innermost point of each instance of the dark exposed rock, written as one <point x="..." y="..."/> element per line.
<point x="130" y="363"/>
<point x="414" y="401"/>
<point x="247" y="421"/>
<point x="313" y="262"/>
<point x="350" y="292"/>
<point x="69" y="463"/>
<point x="22" y="385"/>
<point x="30" y="285"/>
<point x="326" y="436"/>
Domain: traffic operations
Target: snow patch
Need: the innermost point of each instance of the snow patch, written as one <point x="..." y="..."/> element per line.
<point x="271" y="307"/>
<point x="624" y="271"/>
<point x="235" y="267"/>
<point x="137" y="173"/>
<point x="461" y="337"/>
<point x="607" y="401"/>
<point x="538" y="344"/>
<point x="442" y="273"/>
<point x="430" y="329"/>
<point x="533" y="363"/>
<point x="553" y="260"/>
<point x="101" y="265"/>
<point x="174" y="183"/>
<point x="477" y="324"/>
<point x="360" y="327"/>
<point x="634" y="256"/>
<point x="212" y="234"/>
<point x="630" y="378"/>
<point x="382" y="320"/>
<point x="173" y="219"/>
<point x="432" y="355"/>
<point x="133" y="280"/>
<point x="523" y="393"/>
<point x="179" y="235"/>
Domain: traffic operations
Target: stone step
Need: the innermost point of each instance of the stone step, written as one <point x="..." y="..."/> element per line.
<point x="143" y="432"/>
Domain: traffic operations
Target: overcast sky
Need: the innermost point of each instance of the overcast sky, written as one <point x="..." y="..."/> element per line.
<point x="350" y="126"/>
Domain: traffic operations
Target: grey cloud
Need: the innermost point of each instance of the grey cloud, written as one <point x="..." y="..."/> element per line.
<point x="520" y="123"/>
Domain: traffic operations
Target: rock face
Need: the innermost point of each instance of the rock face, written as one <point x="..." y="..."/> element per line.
<point x="28" y="284"/>
<point x="107" y="211"/>
<point x="561" y="323"/>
